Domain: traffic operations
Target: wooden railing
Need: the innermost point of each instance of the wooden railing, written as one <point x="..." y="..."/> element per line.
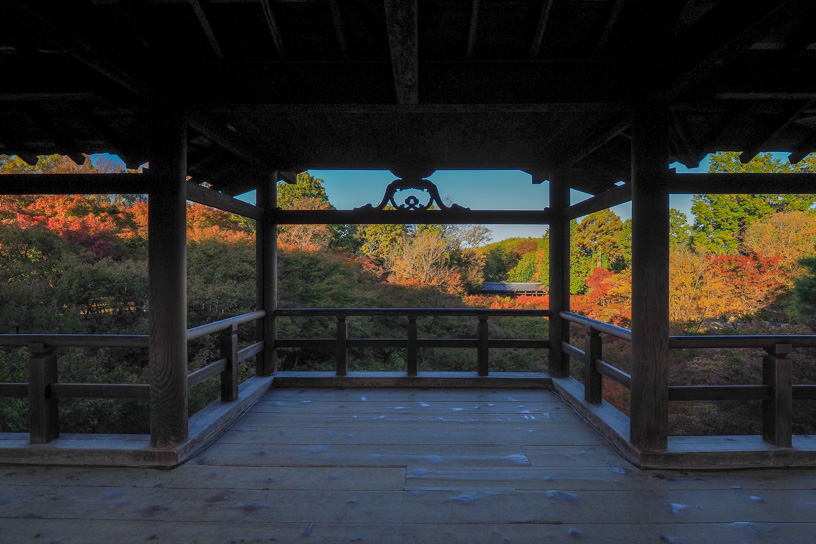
<point x="412" y="343"/>
<point x="226" y="366"/>
<point x="777" y="391"/>
<point x="43" y="389"/>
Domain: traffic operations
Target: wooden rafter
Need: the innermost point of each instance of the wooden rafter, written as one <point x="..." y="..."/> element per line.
<point x="271" y="22"/>
<point x="64" y="143"/>
<point x="113" y="142"/>
<point x="721" y="36"/>
<point x="224" y="138"/>
<point x="39" y="22"/>
<point x="785" y="120"/>
<point x="541" y="28"/>
<point x="204" y="22"/>
<point x="473" y="29"/>
<point x="596" y="141"/>
<point x="615" y="7"/>
<point x="339" y="28"/>
<point x="403" y="40"/>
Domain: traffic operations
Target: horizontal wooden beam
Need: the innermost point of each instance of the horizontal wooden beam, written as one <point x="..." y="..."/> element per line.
<point x="744" y="341"/>
<point x="615" y="374"/>
<point x="742" y="184"/>
<point x="718" y="392"/>
<point x="402" y="217"/>
<point x="67" y="184"/>
<point x="206" y="372"/>
<point x="599" y="202"/>
<point x="76" y="340"/>
<point x="100" y="390"/>
<point x="212" y="198"/>
<point x="14" y="390"/>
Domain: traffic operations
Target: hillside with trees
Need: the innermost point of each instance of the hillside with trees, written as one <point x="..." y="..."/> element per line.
<point x="742" y="264"/>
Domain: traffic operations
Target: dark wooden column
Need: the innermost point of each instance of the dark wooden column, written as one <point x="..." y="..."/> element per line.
<point x="650" y="278"/>
<point x="167" y="269"/>
<point x="266" y="275"/>
<point x="559" y="275"/>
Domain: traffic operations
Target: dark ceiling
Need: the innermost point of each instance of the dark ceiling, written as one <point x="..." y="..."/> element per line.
<point x="288" y="85"/>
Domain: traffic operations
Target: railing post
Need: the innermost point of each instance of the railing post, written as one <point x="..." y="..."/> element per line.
<point x="484" y="343"/>
<point x="778" y="410"/>
<point x="592" y="379"/>
<point x="43" y="409"/>
<point x="413" y="367"/>
<point x="342" y="345"/>
<point x="229" y="351"/>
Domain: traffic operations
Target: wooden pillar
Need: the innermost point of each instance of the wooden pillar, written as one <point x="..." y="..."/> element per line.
<point x="650" y="278"/>
<point x="559" y="275"/>
<point x="266" y="276"/>
<point x="167" y="270"/>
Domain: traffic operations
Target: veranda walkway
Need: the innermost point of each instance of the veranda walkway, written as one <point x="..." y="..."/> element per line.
<point x="406" y="465"/>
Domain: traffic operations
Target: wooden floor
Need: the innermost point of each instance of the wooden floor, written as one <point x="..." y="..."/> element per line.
<point x="424" y="466"/>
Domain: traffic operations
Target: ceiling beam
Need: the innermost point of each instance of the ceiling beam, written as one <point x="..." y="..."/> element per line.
<point x="44" y="24"/>
<point x="615" y="8"/>
<point x="113" y="142"/>
<point x="64" y="143"/>
<point x="339" y="28"/>
<point x="541" y="28"/>
<point x="403" y="39"/>
<point x="271" y="22"/>
<point x="226" y="139"/>
<point x="205" y="26"/>
<point x="722" y="35"/>
<point x="595" y="141"/>
<point x="473" y="30"/>
<point x="783" y="122"/>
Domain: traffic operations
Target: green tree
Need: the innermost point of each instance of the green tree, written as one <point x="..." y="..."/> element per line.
<point x="679" y="229"/>
<point x="721" y="221"/>
<point x="805" y="289"/>
<point x="600" y="240"/>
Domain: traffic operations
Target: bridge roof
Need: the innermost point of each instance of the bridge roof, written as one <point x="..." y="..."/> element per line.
<point x="416" y="85"/>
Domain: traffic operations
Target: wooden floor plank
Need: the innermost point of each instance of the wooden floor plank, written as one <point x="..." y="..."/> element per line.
<point x="377" y="455"/>
<point x="612" y="477"/>
<point x="105" y="532"/>
<point x="193" y="476"/>
<point x="432" y="433"/>
<point x="470" y="467"/>
<point x="438" y="408"/>
<point x="431" y="506"/>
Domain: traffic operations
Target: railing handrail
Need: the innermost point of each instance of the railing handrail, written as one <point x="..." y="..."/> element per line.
<point x="418" y="312"/>
<point x="218" y="326"/>
<point x="742" y="341"/>
<point x="77" y="340"/>
<point x="600" y="326"/>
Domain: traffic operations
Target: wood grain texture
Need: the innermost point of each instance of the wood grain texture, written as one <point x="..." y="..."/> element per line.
<point x="167" y="272"/>
<point x="650" y="279"/>
<point x="473" y="476"/>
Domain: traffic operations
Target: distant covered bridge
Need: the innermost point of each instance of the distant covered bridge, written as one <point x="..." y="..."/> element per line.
<point x="513" y="288"/>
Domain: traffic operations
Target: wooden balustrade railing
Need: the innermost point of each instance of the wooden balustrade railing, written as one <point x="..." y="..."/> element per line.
<point x="412" y="343"/>
<point x="777" y="392"/>
<point x="43" y="389"/>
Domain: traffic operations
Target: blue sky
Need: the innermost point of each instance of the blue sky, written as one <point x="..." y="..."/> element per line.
<point x="475" y="189"/>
